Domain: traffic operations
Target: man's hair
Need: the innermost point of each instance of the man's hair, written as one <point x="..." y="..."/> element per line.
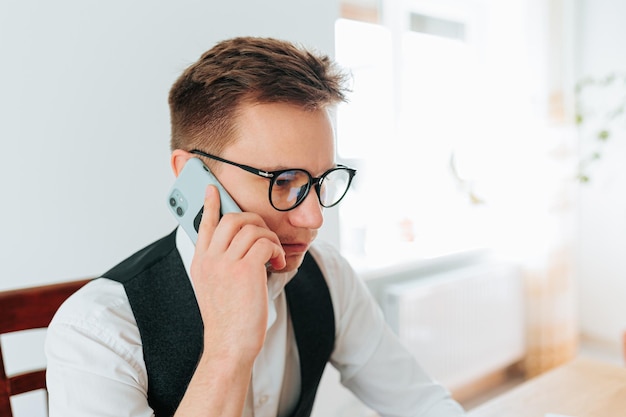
<point x="205" y="99"/>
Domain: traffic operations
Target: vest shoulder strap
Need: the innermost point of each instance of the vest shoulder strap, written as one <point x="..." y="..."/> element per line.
<point x="168" y="317"/>
<point x="313" y="319"/>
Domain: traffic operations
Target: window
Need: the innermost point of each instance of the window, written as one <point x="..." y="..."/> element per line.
<point x="440" y="104"/>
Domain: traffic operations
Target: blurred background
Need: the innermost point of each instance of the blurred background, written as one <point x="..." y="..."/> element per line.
<point x="487" y="216"/>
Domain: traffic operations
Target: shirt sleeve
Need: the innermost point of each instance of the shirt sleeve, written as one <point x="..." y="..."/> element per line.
<point x="372" y="361"/>
<point x="94" y="357"/>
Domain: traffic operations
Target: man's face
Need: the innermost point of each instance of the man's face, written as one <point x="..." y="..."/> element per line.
<point x="273" y="137"/>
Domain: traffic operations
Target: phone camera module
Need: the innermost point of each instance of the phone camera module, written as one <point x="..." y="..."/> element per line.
<point x="177" y="202"/>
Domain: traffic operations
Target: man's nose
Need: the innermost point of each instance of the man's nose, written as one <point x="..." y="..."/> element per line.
<point x="309" y="214"/>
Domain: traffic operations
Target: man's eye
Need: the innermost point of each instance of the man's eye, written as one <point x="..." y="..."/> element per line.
<point x="286" y="179"/>
<point x="283" y="182"/>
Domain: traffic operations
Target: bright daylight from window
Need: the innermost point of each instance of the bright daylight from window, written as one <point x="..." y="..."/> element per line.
<point x="435" y="126"/>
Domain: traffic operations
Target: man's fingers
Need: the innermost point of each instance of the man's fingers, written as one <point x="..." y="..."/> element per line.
<point x="247" y="236"/>
<point x="232" y="224"/>
<point x="239" y="235"/>
<point x="210" y="217"/>
<point x="264" y="251"/>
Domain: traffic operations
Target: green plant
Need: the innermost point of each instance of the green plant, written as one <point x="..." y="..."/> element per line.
<point x="600" y="113"/>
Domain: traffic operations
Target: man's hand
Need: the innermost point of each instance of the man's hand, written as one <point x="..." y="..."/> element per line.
<point x="230" y="277"/>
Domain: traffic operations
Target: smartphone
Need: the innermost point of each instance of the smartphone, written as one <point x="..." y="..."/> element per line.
<point x="186" y="197"/>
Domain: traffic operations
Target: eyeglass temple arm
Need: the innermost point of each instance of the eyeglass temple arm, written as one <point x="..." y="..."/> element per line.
<point x="248" y="168"/>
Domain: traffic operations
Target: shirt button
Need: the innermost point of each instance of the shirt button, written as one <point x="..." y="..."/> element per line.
<point x="263" y="399"/>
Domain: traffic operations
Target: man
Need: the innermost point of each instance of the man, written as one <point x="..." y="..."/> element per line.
<point x="244" y="322"/>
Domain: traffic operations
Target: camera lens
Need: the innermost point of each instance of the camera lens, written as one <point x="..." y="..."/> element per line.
<point x="172" y="201"/>
<point x="179" y="210"/>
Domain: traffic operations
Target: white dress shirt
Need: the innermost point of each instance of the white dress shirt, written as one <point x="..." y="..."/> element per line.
<point x="96" y="367"/>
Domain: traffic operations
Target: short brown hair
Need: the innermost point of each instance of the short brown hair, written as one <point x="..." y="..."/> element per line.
<point x="205" y="98"/>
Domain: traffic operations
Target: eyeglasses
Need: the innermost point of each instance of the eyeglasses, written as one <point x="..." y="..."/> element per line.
<point x="289" y="187"/>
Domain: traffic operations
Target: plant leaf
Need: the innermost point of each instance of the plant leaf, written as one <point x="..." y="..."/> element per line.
<point x="603" y="135"/>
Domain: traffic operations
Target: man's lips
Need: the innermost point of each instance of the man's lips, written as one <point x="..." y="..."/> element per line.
<point x="295" y="247"/>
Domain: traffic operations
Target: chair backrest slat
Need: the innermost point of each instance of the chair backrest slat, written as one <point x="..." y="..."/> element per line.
<point x="24" y="309"/>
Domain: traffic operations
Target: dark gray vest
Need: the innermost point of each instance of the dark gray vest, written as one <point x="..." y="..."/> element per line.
<point x="171" y="329"/>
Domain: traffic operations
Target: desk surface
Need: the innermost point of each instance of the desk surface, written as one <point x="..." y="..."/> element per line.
<point x="581" y="388"/>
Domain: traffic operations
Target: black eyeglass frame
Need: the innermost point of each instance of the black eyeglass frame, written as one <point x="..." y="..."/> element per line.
<point x="273" y="175"/>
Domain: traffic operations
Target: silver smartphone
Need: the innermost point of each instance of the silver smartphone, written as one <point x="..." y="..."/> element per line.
<point x="186" y="197"/>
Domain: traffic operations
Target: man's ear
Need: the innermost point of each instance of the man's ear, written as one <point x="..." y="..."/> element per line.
<point x="179" y="159"/>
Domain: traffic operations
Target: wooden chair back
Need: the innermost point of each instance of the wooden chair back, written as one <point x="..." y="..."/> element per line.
<point x="24" y="309"/>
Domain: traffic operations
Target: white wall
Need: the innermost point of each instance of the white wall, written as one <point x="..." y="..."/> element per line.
<point x="602" y="249"/>
<point x="84" y="125"/>
<point x="84" y="120"/>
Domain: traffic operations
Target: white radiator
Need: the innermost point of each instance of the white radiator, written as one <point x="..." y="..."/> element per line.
<point x="462" y="324"/>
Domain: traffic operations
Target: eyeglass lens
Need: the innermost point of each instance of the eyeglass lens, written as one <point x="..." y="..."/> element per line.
<point x="289" y="188"/>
